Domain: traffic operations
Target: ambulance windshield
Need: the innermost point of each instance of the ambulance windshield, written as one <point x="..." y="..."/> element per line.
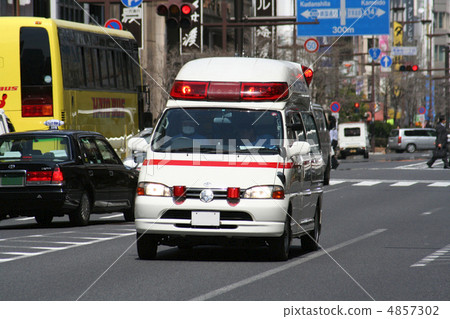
<point x="218" y="130"/>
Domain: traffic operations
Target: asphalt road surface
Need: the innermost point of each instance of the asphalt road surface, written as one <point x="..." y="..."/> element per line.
<point x="385" y="237"/>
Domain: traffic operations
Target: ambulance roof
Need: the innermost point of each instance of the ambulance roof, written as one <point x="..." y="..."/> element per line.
<point x="238" y="69"/>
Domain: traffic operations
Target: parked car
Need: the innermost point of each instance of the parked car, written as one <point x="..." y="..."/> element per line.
<point x="353" y="139"/>
<point x="412" y="139"/>
<point x="55" y="173"/>
<point x="325" y="143"/>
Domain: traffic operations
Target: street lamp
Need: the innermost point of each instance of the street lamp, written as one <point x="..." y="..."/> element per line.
<point x="430" y="70"/>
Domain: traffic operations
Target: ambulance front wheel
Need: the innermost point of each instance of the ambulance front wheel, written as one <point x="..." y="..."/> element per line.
<point x="147" y="246"/>
<point x="280" y="247"/>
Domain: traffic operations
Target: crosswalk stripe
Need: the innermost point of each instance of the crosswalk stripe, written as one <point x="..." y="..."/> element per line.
<point x="439" y="184"/>
<point x="403" y="184"/>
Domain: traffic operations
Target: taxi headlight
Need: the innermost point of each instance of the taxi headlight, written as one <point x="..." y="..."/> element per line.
<point x="153" y="189"/>
<point x="269" y="191"/>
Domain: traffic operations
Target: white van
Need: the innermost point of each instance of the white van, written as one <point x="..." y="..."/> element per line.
<point x="353" y="139"/>
<point x="235" y="156"/>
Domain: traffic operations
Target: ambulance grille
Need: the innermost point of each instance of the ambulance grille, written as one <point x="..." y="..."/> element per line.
<point x="224" y="215"/>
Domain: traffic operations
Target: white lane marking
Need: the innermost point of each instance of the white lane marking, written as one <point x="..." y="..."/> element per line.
<point x="404" y="183"/>
<point x="439" y="184"/>
<point x="438" y="254"/>
<point x="24" y="218"/>
<point x="284" y="267"/>
<point x="336" y="182"/>
<point x="112" y="216"/>
<point x="367" y="183"/>
<point x="51" y="249"/>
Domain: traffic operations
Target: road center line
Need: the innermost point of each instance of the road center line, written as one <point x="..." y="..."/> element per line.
<point x="284" y="267"/>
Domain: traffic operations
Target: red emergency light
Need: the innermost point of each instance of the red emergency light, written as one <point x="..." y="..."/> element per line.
<point x="229" y="91"/>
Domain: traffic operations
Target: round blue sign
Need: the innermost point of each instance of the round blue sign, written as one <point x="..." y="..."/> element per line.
<point x="131" y="3"/>
<point x="335" y="107"/>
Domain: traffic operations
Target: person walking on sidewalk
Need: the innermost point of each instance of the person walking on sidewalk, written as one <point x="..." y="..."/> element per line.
<point x="334" y="143"/>
<point x="440" y="150"/>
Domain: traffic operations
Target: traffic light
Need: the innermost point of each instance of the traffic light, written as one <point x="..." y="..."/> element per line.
<point x="408" y="68"/>
<point x="356" y="107"/>
<point x="177" y="13"/>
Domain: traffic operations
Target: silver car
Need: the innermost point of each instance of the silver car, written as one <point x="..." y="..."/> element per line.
<point x="412" y="139"/>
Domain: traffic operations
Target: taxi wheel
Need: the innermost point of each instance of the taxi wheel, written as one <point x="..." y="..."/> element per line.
<point x="280" y="247"/>
<point x="147" y="246"/>
<point x="310" y="241"/>
<point x="44" y="219"/>
<point x="81" y="216"/>
<point x="128" y="215"/>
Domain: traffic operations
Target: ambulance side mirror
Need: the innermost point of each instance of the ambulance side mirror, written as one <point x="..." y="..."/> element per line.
<point x="298" y="148"/>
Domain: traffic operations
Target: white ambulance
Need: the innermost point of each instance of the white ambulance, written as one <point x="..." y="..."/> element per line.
<point x="235" y="156"/>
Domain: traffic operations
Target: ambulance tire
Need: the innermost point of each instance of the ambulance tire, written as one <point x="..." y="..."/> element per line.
<point x="310" y="241"/>
<point x="147" y="246"/>
<point x="280" y="247"/>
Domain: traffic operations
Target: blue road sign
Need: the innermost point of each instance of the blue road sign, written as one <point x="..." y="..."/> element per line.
<point x="374" y="53"/>
<point x="343" y="17"/>
<point x="335" y="107"/>
<point x="114" y="24"/>
<point x="131" y="3"/>
<point x="386" y="61"/>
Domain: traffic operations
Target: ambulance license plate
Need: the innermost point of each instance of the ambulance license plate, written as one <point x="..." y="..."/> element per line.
<point x="205" y="218"/>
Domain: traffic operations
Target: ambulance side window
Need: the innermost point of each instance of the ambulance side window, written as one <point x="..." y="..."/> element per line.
<point x="312" y="136"/>
<point x="295" y="129"/>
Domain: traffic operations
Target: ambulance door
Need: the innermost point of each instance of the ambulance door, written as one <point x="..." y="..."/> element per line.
<point x="317" y="164"/>
<point x="300" y="179"/>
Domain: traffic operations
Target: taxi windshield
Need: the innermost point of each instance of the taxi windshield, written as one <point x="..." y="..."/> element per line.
<point x="218" y="130"/>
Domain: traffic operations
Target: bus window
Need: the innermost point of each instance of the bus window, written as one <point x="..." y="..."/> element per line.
<point x="104" y="68"/>
<point x="35" y="72"/>
<point x="89" y="69"/>
<point x="110" y="67"/>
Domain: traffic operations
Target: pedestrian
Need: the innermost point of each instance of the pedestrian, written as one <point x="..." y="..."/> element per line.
<point x="440" y="150"/>
<point x="334" y="143"/>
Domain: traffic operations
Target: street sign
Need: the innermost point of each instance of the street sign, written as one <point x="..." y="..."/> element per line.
<point x="395" y="51"/>
<point x="386" y="61"/>
<point x="114" y="24"/>
<point x="335" y="107"/>
<point x="131" y="3"/>
<point x="422" y="110"/>
<point x="374" y="53"/>
<point x="311" y="45"/>
<point x="343" y="17"/>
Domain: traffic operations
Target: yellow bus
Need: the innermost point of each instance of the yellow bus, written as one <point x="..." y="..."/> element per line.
<point x="87" y="76"/>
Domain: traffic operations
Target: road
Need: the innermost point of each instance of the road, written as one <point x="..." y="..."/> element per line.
<point x="385" y="237"/>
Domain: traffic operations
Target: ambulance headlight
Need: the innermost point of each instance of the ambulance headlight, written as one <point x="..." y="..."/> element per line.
<point x="261" y="192"/>
<point x="153" y="189"/>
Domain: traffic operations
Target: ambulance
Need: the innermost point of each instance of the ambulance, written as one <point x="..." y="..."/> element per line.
<point x="234" y="158"/>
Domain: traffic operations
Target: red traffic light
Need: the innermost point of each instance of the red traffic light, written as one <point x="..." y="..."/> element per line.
<point x="408" y="68"/>
<point x="357" y="105"/>
<point x="186" y="9"/>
